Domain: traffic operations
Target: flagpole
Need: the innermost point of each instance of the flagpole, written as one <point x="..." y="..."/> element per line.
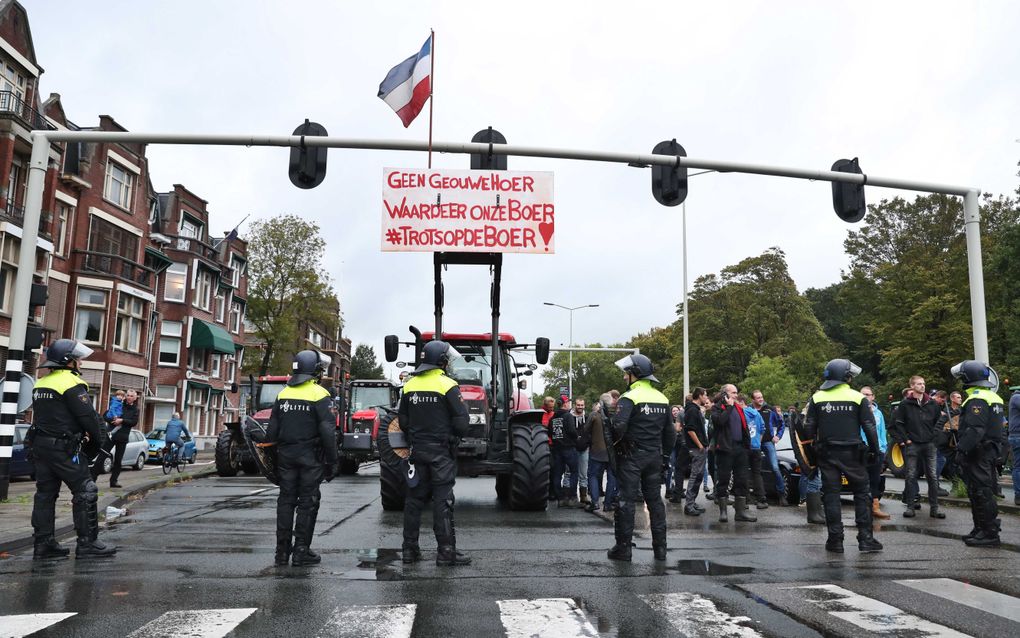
<point x="432" y="81"/>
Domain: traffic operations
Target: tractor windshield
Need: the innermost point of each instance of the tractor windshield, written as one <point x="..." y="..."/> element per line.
<point x="268" y="392"/>
<point x="474" y="368"/>
<point x="363" y="397"/>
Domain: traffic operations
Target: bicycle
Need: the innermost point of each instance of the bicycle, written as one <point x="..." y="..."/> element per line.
<point x="172" y="459"/>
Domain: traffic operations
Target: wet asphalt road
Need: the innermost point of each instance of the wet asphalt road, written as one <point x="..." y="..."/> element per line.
<point x="208" y="544"/>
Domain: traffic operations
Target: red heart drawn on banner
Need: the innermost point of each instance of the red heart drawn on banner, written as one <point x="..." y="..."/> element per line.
<point x="546" y="230"/>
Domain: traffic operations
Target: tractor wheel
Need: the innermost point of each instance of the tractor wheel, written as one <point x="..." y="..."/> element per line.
<point x="228" y="454"/>
<point x="349" y="466"/>
<point x="392" y="484"/>
<point x="896" y="461"/>
<point x="503" y="487"/>
<point x="792" y="484"/>
<point x="529" y="481"/>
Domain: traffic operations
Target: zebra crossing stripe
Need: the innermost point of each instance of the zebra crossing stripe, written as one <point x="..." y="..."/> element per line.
<point x="544" y="617"/>
<point x="25" y="624"/>
<point x="370" y="621"/>
<point x="873" y="615"/>
<point x="199" y="623"/>
<point x="969" y="595"/>
<point x="696" y="616"/>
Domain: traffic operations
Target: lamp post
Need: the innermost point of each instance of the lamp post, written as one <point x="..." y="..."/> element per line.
<point x="687" y="356"/>
<point x="570" y="369"/>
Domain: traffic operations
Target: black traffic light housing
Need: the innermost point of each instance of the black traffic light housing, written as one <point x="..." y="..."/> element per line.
<point x="848" y="199"/>
<point x="669" y="183"/>
<point x="34" y="332"/>
<point x="308" y="165"/>
<point x="488" y="161"/>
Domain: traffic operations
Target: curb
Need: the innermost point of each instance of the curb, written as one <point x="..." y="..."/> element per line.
<point x="17" y="544"/>
<point x="1004" y="507"/>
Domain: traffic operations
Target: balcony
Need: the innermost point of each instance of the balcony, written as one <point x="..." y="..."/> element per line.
<point x="16" y="215"/>
<point x="12" y="106"/>
<point x="195" y="247"/>
<point x="87" y="261"/>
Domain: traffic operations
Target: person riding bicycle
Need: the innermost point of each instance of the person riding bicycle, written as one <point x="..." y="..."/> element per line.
<point x="174" y="428"/>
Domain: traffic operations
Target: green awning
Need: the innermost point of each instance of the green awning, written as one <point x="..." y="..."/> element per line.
<point x="209" y="336"/>
<point x="198" y="385"/>
<point x="157" y="260"/>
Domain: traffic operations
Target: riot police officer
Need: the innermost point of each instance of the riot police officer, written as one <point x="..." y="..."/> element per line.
<point x="979" y="446"/>
<point x="836" y="417"/>
<point x="304" y="431"/>
<point x="644" y="436"/>
<point x="433" y="418"/>
<point x="64" y="423"/>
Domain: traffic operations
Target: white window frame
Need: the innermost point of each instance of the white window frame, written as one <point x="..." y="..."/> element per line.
<point x="125" y="185"/>
<point x="220" y="306"/>
<point x="214" y="366"/>
<point x="203" y="290"/>
<point x="91" y="307"/>
<point x="176" y="269"/>
<point x="237" y="265"/>
<point x="134" y="315"/>
<point x="170" y="331"/>
<point x="235" y="320"/>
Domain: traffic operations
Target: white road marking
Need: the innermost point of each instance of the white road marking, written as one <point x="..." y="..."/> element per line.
<point x="199" y="623"/>
<point x="873" y="615"/>
<point x="544" y="617"/>
<point x="370" y="621"/>
<point x="696" y="616"/>
<point x="25" y="624"/>
<point x="969" y="595"/>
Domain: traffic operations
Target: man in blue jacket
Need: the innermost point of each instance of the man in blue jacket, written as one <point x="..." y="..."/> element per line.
<point x="756" y="429"/>
<point x="875" y="477"/>
<point x="174" y="428"/>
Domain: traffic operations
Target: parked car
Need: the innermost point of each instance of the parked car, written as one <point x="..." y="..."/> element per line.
<point x="20" y="465"/>
<point x="135" y="453"/>
<point x="156" y="442"/>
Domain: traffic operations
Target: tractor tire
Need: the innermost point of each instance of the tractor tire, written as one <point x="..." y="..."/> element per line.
<point x="228" y="454"/>
<point x="392" y="483"/>
<point x="792" y="483"/>
<point x="349" y="466"/>
<point x="503" y="487"/>
<point x="896" y="460"/>
<point x="529" y="480"/>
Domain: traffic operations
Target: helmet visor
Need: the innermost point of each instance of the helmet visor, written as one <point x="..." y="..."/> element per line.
<point x="993" y="379"/>
<point x="324" y="361"/>
<point x="957" y="370"/>
<point x="452" y="354"/>
<point x="81" y="351"/>
<point x="625" y="363"/>
<point x="854" y="369"/>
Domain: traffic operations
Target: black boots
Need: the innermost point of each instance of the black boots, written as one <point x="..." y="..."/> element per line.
<point x="866" y="542"/>
<point x="936" y="513"/>
<point x="815" y="511"/>
<point x="692" y="510"/>
<point x="721" y="502"/>
<point x="410" y="553"/>
<point x="740" y="511"/>
<point x="93" y="548"/>
<point x="448" y="556"/>
<point x="48" y="547"/>
<point x="282" y="552"/>
<point x="659" y="551"/>
<point x="620" y="552"/>
<point x="834" y="544"/>
<point x="85" y="513"/>
<point x="303" y="555"/>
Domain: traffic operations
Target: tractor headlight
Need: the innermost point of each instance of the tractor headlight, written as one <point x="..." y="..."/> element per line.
<point x="476" y="419"/>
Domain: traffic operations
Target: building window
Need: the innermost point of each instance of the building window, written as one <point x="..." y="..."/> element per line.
<point x="231" y="367"/>
<point x="221" y="303"/>
<point x="190" y="228"/>
<point x="198" y="358"/>
<point x="236" y="265"/>
<point x="13" y="82"/>
<point x="314" y="338"/>
<point x="60" y="235"/>
<point x="88" y="325"/>
<point x="166" y="392"/>
<point x="214" y="366"/>
<point x="203" y="290"/>
<point x="119" y="182"/>
<point x="130" y="319"/>
<point x="196" y="410"/>
<point x="6" y="287"/>
<point x="105" y="237"/>
<point x="236" y="315"/>
<point x="170" y="343"/>
<point x="176" y="282"/>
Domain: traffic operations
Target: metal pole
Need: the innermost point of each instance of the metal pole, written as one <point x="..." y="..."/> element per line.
<point x="687" y="356"/>
<point x="570" y="369"/>
<point x="19" y="305"/>
<point x="972" y="225"/>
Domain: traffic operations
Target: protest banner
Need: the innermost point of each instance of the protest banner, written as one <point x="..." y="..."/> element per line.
<point x="436" y="210"/>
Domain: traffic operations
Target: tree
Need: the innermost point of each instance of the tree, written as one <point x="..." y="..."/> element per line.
<point x="364" y="365"/>
<point x="286" y="287"/>
<point x="594" y="373"/>
<point x="771" y="376"/>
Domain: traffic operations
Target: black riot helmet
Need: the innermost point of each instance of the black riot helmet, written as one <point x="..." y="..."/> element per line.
<point x="436" y="355"/>
<point x="638" y="365"/>
<point x="63" y="352"/>
<point x="976" y="374"/>
<point x="308" y="365"/>
<point x="839" y="371"/>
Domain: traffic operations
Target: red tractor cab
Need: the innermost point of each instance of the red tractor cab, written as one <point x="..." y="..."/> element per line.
<point x="368" y="401"/>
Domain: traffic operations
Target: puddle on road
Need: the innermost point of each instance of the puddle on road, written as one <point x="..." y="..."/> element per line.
<point x="375" y="564"/>
<point x="710" y="568"/>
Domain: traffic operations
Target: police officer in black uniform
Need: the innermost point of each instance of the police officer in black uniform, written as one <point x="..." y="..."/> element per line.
<point x="644" y="437"/>
<point x="304" y="431"/>
<point x="64" y="423"/>
<point x="978" y="448"/>
<point x="433" y="418"/>
<point x="836" y="416"/>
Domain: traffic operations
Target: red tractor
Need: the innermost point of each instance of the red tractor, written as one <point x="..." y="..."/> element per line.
<point x="368" y="401"/>
<point x="232" y="454"/>
<point x="506" y="438"/>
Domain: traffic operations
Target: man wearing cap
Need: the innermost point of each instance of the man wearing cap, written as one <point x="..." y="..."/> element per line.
<point x="432" y="418"/>
<point x="644" y="435"/>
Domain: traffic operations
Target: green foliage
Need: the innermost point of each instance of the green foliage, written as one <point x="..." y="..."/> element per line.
<point x="364" y="365"/>
<point x="286" y="287"/>
<point x="594" y="373"/>
<point x="771" y="376"/>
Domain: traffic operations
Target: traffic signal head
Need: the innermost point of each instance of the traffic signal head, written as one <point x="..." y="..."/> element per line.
<point x="308" y="164"/>
<point x="669" y="183"/>
<point x="488" y="161"/>
<point x="848" y="199"/>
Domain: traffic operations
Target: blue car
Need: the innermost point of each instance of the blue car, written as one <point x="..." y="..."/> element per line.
<point x="157" y="443"/>
<point x="20" y="465"/>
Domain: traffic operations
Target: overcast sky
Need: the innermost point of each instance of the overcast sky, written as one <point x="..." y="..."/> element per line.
<point x="918" y="90"/>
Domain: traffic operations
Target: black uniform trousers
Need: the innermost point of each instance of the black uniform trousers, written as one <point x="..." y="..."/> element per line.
<point x="297" y="507"/>
<point x="640" y="474"/>
<point x="980" y="474"/>
<point x="54" y="464"/>
<point x="733" y="463"/>
<point x="757" y="481"/>
<point x="835" y="462"/>
<point x="436" y="468"/>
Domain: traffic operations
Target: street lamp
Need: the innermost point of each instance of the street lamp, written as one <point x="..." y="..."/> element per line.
<point x="570" y="369"/>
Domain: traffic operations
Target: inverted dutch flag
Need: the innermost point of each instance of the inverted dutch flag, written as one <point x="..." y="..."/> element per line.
<point x="407" y="86"/>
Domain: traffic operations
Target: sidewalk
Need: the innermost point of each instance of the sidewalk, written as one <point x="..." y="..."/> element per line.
<point x="894" y="490"/>
<point x="16" y="511"/>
